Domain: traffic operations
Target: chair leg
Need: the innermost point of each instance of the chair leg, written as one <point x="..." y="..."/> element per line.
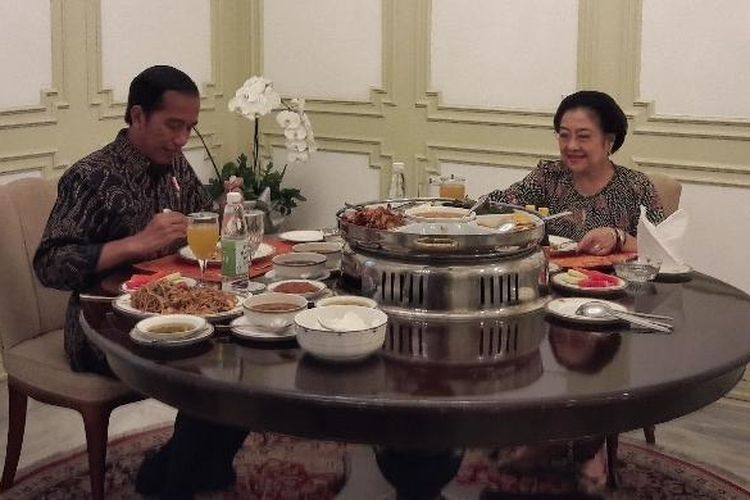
<point x="17" y="402"/>
<point x="96" y="424"/>
<point x="613" y="441"/>
<point x="650" y="433"/>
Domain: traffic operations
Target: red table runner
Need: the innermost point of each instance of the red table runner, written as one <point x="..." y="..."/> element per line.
<point x="175" y="264"/>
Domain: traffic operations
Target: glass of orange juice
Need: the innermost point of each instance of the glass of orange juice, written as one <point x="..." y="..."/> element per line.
<point x="202" y="235"/>
<point x="453" y="187"/>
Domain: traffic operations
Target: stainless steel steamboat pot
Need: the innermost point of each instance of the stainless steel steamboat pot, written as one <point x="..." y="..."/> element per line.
<point x="455" y="292"/>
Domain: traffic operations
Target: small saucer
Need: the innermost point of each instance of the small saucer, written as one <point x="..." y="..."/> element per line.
<point x="271" y="275"/>
<point x="199" y="336"/>
<point x="676" y="270"/>
<point x="243" y="329"/>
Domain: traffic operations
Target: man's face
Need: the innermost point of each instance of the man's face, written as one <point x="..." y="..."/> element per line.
<point x="162" y="135"/>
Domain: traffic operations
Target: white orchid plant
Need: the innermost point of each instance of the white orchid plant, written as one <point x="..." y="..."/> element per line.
<point x="256" y="98"/>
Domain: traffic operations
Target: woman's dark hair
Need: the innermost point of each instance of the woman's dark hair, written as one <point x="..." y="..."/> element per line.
<point x="148" y="88"/>
<point x="612" y="119"/>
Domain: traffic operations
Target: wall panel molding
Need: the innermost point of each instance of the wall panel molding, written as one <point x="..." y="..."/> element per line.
<point x="53" y="98"/>
<point x="103" y="99"/>
<point x="380" y="97"/>
<point x="709" y="173"/>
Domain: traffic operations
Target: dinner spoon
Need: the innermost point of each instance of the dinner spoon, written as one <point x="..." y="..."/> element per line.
<point x="611" y="310"/>
<point x="600" y="310"/>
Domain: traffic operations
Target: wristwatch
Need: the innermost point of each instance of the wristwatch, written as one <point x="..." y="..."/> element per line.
<point x="621" y="237"/>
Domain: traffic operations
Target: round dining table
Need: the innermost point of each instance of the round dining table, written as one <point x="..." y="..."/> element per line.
<point x="583" y="380"/>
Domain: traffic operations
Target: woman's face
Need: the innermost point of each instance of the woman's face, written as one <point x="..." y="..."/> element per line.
<point x="583" y="145"/>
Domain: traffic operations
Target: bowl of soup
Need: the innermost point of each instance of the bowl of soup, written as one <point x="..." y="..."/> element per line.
<point x="309" y="289"/>
<point x="347" y="300"/>
<point x="171" y="326"/>
<point x="273" y="310"/>
<point x="299" y="265"/>
<point x="331" y="249"/>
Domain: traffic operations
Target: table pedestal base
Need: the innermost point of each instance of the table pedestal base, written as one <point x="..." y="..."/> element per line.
<point x="416" y="474"/>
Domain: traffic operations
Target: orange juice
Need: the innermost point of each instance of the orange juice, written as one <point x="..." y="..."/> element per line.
<point x="202" y="239"/>
<point x="452" y="190"/>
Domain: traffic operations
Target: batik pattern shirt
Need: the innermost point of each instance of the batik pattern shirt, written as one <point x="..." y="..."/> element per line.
<point x="109" y="195"/>
<point x="618" y="204"/>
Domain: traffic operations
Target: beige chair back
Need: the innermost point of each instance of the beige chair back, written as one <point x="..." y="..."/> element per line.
<point x="669" y="190"/>
<point x="27" y="308"/>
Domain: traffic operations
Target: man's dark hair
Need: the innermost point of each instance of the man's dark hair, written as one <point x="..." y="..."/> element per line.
<point x="612" y="119"/>
<point x="148" y="88"/>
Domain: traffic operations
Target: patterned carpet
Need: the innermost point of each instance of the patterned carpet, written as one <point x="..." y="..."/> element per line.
<point x="273" y="467"/>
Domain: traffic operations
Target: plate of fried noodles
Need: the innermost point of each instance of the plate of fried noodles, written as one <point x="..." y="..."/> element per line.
<point x="165" y="297"/>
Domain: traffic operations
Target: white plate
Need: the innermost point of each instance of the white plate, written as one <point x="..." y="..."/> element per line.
<point x="559" y="282"/>
<point x="561" y="244"/>
<point x="200" y="336"/>
<point x="271" y="275"/>
<point x="264" y="250"/>
<point x="122" y="304"/>
<point x="675" y="271"/>
<point x="302" y="236"/>
<point x="243" y="329"/>
<point x="184" y="279"/>
<point x="565" y="308"/>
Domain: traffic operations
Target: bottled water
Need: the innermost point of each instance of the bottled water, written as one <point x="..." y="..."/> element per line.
<point x="396" y="189"/>
<point x="234" y="247"/>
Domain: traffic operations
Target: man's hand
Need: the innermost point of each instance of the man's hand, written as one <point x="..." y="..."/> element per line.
<point x="599" y="241"/>
<point x="163" y="231"/>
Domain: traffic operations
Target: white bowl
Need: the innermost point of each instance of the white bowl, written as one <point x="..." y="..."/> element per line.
<point x="426" y="213"/>
<point x="347" y="345"/>
<point x="279" y="286"/>
<point x="299" y="265"/>
<point x="331" y="249"/>
<point x="347" y="300"/>
<point x="157" y="327"/>
<point x="270" y="319"/>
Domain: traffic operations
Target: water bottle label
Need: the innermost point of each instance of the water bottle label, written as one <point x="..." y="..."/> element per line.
<point x="233" y="257"/>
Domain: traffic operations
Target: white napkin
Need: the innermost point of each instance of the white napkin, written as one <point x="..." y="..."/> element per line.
<point x="663" y="242"/>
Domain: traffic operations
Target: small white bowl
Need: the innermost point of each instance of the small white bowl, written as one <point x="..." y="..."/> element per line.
<point x="280" y="286"/>
<point x="335" y="345"/>
<point x="347" y="300"/>
<point x="170" y="326"/>
<point x="258" y="314"/>
<point x="299" y="265"/>
<point x="331" y="249"/>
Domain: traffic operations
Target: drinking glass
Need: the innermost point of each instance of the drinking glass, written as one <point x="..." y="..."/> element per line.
<point x="254" y="223"/>
<point x="202" y="235"/>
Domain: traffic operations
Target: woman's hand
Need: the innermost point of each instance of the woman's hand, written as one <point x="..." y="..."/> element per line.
<point x="599" y="241"/>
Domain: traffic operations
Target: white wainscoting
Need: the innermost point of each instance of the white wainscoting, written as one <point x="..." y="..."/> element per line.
<point x="696" y="57"/>
<point x="5" y="178"/>
<point x="140" y="33"/>
<point x="25" y="52"/>
<point x="323" y="49"/>
<point x="717" y="239"/>
<point x="328" y="180"/>
<point x="511" y="54"/>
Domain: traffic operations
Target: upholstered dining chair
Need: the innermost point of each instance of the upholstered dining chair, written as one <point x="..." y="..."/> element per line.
<point x="669" y="190"/>
<point x="31" y="322"/>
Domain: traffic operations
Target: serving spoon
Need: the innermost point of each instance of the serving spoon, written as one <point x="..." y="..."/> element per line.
<point x="600" y="310"/>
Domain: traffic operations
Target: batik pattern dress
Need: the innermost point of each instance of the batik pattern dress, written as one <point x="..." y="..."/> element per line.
<point x="618" y="204"/>
<point x="109" y="195"/>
